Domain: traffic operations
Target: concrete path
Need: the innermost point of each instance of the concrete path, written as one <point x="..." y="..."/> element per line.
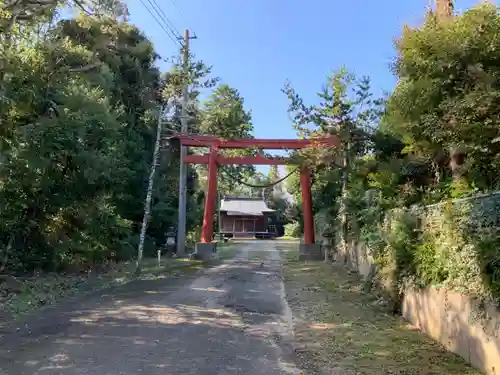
<point x="233" y="319"/>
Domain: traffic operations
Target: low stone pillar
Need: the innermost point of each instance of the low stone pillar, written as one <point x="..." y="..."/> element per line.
<point x="327" y="247"/>
<point x="310" y="252"/>
<point x="205" y="251"/>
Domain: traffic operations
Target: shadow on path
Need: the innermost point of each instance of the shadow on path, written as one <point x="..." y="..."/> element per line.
<point x="225" y="321"/>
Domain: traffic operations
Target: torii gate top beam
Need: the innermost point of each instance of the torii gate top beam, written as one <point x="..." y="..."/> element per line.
<point x="269" y="144"/>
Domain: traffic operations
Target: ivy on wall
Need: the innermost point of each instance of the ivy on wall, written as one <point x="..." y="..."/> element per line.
<point x="454" y="244"/>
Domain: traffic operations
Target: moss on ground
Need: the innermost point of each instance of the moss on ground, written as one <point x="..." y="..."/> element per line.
<point x="342" y="330"/>
<point x="226" y="250"/>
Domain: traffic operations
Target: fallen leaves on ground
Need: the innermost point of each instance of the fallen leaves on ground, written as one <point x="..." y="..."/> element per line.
<point x="342" y="330"/>
<point x="22" y="295"/>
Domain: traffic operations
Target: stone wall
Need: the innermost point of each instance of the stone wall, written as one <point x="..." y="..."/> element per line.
<point x="449" y="317"/>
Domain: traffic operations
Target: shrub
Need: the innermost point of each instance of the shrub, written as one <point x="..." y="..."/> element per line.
<point x="455" y="244"/>
<point x="293" y="229"/>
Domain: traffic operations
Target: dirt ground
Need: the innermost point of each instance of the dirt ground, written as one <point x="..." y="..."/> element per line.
<point x="227" y="318"/>
<point x="252" y="314"/>
<point x="34" y="292"/>
<point x="341" y="330"/>
<point x="38" y="291"/>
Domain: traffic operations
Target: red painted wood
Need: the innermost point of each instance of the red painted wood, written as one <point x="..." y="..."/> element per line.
<point x="224" y="160"/>
<point x="274" y="144"/>
<point x="210" y="198"/>
<point x="305" y="186"/>
<point x="277" y="144"/>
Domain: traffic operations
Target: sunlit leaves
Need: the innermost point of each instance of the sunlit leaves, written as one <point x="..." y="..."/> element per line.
<point x="76" y="131"/>
<point x="448" y="94"/>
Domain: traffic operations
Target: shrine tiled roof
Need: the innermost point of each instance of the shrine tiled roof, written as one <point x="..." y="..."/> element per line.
<point x="243" y="206"/>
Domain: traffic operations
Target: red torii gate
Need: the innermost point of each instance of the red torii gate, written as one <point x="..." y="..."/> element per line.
<point x="213" y="159"/>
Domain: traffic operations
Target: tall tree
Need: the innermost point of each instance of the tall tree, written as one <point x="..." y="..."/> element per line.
<point x="224" y="116"/>
<point x="346" y="110"/>
<point x="445" y="105"/>
<point x="62" y="144"/>
<point x="200" y="80"/>
<point x="77" y="140"/>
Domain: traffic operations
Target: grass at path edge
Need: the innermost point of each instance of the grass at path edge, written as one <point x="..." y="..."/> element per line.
<point x="341" y="330"/>
<point x="48" y="289"/>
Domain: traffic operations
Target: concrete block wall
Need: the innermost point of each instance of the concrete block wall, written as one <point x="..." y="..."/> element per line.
<point x="446" y="316"/>
<point x="450" y="318"/>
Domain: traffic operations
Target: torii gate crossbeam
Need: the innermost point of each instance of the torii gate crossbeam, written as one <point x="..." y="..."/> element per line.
<point x="213" y="159"/>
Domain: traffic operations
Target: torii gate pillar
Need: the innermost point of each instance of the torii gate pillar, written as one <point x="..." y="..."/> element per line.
<point x="305" y="185"/>
<point x="205" y="249"/>
<point x="308" y="249"/>
<point x="210" y="198"/>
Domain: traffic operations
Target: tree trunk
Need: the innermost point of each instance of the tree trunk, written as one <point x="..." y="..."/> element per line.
<point x="457" y="161"/>
<point x="342" y="209"/>
<point x="147" y="203"/>
<point x="444" y="9"/>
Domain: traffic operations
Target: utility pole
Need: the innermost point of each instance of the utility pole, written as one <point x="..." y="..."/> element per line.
<point x="444" y="8"/>
<point x="181" y="230"/>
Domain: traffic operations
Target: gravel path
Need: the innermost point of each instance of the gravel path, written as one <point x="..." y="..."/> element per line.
<point x="232" y="319"/>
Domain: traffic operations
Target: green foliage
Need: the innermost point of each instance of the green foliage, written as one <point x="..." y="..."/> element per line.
<point x="437" y="142"/>
<point x="277" y="200"/>
<point x="446" y="101"/>
<point x="347" y="111"/>
<point x="429" y="265"/>
<point x="63" y="143"/>
<point x="453" y="244"/>
<point x="293" y="229"/>
<point x="79" y="100"/>
<point x="401" y="237"/>
<point x="224" y="115"/>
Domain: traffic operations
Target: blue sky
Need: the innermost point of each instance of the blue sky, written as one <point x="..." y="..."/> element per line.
<point x="255" y="46"/>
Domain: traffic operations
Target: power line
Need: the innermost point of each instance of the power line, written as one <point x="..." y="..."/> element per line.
<point x="167" y="32"/>
<point x="165" y="19"/>
<point x="173" y="37"/>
